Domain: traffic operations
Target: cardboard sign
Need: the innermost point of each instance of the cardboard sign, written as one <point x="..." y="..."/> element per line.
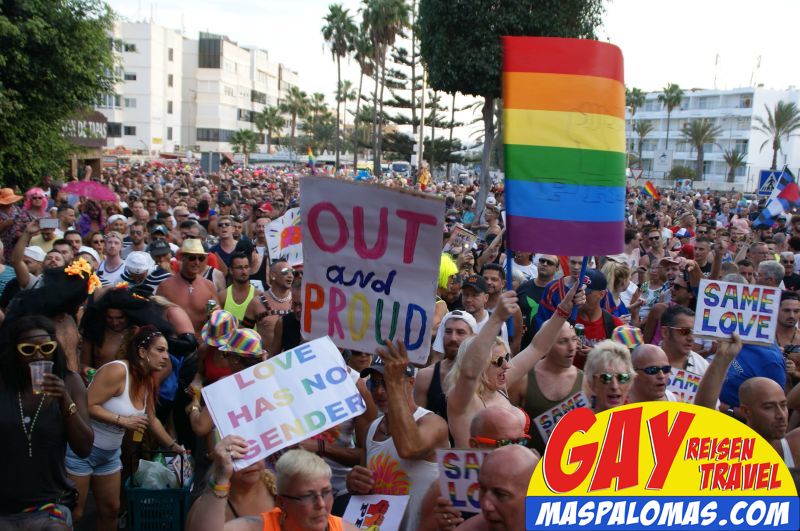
<point x="284" y="400"/>
<point x="659" y="465"/>
<point x="683" y="385"/>
<point x="725" y="307"/>
<point x="458" y="477"/>
<point x="461" y="240"/>
<point x="376" y="511"/>
<point x="372" y="259"/>
<point x="546" y="422"/>
<point x="284" y="238"/>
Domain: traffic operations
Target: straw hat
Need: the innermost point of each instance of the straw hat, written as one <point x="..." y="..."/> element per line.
<point x="192" y="246"/>
<point x="8" y="197"/>
<point x="219" y="329"/>
<point x="245" y="343"/>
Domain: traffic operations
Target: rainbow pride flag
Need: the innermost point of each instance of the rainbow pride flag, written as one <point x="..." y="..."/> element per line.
<point x="651" y="190"/>
<point x="564" y="134"/>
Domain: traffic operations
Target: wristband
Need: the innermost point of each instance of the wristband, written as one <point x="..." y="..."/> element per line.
<point x="561" y="312"/>
<point x="117" y="421"/>
<point x="320" y="447"/>
<point x="222" y="488"/>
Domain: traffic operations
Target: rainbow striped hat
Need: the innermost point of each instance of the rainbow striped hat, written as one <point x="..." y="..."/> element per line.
<point x="244" y="342"/>
<point x="219" y="328"/>
<point x="628" y="335"/>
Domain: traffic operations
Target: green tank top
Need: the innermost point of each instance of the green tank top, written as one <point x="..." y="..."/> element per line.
<point x="238" y="310"/>
<point x="536" y="404"/>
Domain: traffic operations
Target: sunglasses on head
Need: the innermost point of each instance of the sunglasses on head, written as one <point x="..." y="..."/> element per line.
<point x="497" y="443"/>
<point x="608" y="377"/>
<point x="29" y="349"/>
<point x="682" y="330"/>
<point x="653" y="370"/>
<point x="499" y="361"/>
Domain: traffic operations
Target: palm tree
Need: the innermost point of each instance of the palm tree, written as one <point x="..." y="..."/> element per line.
<point x="642" y="129"/>
<point x="244" y="141"/>
<point x="634" y="100"/>
<point x="781" y="122"/>
<point x="338" y="33"/>
<point x="363" y="56"/>
<point x="269" y="119"/>
<point x="344" y="93"/>
<point x="385" y="19"/>
<point x="699" y="133"/>
<point x="296" y="106"/>
<point x="316" y="105"/>
<point x="735" y="159"/>
<point x="670" y="98"/>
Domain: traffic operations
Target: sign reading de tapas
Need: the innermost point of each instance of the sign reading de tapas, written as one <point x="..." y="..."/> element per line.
<point x="725" y="307"/>
<point x="371" y="258"/>
<point x="659" y="465"/>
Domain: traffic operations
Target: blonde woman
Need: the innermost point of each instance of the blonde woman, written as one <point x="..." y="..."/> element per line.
<point x="484" y="371"/>
<point x="618" y="277"/>
<point x="608" y="374"/>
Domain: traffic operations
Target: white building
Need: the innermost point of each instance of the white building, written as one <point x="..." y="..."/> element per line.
<point x="144" y="113"/>
<point x="225" y="85"/>
<point x="734" y="111"/>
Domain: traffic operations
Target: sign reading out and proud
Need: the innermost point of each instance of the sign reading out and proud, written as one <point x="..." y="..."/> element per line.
<point x="284" y="400"/>
<point x="458" y="477"/>
<point x="659" y="465"/>
<point x="371" y="258"/>
<point x="725" y="307"/>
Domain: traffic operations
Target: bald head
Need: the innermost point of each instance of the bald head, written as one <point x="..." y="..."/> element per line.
<point x="516" y="462"/>
<point x="645" y="353"/>
<point x="496" y="423"/>
<point x="763" y="405"/>
<point x="756" y="388"/>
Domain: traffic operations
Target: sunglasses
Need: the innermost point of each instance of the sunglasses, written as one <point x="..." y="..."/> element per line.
<point x="97" y="241"/>
<point x="497" y="443"/>
<point x="654" y="238"/>
<point x="373" y="384"/>
<point x="287" y="270"/>
<point x="499" y="361"/>
<point x="702" y="232"/>
<point x="684" y="331"/>
<point x="194" y="257"/>
<point x="542" y="261"/>
<point x="29" y="349"/>
<point x="653" y="370"/>
<point x="680" y="286"/>
<point x="223" y="225"/>
<point x="608" y="377"/>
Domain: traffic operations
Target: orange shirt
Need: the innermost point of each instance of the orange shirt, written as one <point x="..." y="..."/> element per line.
<point x="272" y="521"/>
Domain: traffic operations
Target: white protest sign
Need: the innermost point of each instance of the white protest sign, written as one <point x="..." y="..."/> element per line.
<point x="458" y="477"/>
<point x="461" y="239"/>
<point x="371" y="258"/>
<point x="725" y="307"/>
<point x="683" y="385"/>
<point x="284" y="400"/>
<point x="546" y="422"/>
<point x="284" y="238"/>
<point x="376" y="512"/>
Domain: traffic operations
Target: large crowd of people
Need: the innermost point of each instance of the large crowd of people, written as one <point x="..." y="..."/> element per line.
<point x="139" y="303"/>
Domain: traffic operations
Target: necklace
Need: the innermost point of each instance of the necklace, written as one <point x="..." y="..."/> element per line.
<point x="189" y="281"/>
<point x="383" y="430"/>
<point x="29" y="432"/>
<point x="279" y="299"/>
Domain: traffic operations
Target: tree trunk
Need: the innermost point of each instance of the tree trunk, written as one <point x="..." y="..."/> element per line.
<point x="413" y="69"/>
<point x="355" y="125"/>
<point x="294" y="124"/>
<point x="377" y="73"/>
<point x="488" y="138"/>
<point x="775" y="149"/>
<point x="667" y="146"/>
<point x="378" y="153"/>
<point x="435" y="102"/>
<point x="450" y="141"/>
<point x="700" y="157"/>
<point x="338" y="108"/>
<point x="269" y="140"/>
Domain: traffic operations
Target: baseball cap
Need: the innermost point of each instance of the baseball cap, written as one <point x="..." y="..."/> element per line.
<point x="670" y="260"/>
<point x="117" y="217"/>
<point x="34" y="253"/>
<point x="379" y="367"/>
<point x="475" y="282"/>
<point x="265" y="207"/>
<point x="491" y="201"/>
<point x="159" y="248"/>
<point x="89" y="251"/>
<point x="138" y="262"/>
<point x="596" y="280"/>
<point x="225" y="200"/>
<point x="438" y="343"/>
<point x="159" y="229"/>
<point x="683" y="233"/>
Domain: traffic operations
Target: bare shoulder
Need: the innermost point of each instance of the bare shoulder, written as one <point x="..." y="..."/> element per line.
<point x="423" y="377"/>
<point x="476" y="523"/>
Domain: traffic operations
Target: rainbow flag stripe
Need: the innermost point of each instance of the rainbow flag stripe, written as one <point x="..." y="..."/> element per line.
<point x="651" y="190"/>
<point x="564" y="135"/>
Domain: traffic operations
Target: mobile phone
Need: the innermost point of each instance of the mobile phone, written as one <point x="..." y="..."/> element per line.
<point x="48" y="223"/>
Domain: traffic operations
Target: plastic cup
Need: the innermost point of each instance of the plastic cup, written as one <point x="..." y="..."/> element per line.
<point x="38" y="370"/>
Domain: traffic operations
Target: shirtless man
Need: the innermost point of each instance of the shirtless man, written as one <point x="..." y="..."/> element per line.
<point x="188" y="289"/>
<point x="116" y="335"/>
<point x="495" y="277"/>
<point x="242" y="299"/>
<point x="277" y="299"/>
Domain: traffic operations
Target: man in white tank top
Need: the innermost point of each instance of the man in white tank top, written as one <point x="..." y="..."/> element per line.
<point x="403" y="465"/>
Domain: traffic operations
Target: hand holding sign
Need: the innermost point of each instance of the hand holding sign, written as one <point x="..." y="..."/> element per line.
<point x="395" y="360"/>
<point x="728" y="349"/>
<point x="447" y="516"/>
<point x="229" y="448"/>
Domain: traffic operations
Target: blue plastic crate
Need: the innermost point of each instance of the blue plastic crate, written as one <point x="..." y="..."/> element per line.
<point x="156" y="509"/>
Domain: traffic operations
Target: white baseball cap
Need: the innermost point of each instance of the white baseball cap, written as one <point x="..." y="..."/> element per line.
<point x="138" y="262"/>
<point x="34" y="253"/>
<point x="438" y="343"/>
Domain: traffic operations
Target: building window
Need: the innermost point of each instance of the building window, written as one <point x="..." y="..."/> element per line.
<point x="740" y="146"/>
<point x="169" y="133"/>
<point x="245" y="115"/>
<point x="746" y="101"/>
<point x="169" y="107"/>
<point x="170" y="54"/>
<point x="129" y="130"/>
<point x="213" y="135"/>
<point x="229" y="91"/>
<point x="108" y="101"/>
<point x="170" y="80"/>
<point x="209" y="52"/>
<point x="114" y="129"/>
<point x="129" y="47"/>
<point x="130" y="103"/>
<point x="130" y="76"/>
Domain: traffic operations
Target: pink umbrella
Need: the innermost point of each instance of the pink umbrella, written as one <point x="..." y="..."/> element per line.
<point x="90" y="190"/>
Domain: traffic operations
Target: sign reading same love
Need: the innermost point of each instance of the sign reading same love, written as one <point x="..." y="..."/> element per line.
<point x="725" y="307"/>
<point x="546" y="422"/>
<point x="284" y="400"/>
<point x="683" y="385"/>
<point x="458" y="477"/>
<point x="371" y="259"/>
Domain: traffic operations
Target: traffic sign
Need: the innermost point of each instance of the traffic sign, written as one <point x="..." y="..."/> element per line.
<point x="636" y="173"/>
<point x="767" y="179"/>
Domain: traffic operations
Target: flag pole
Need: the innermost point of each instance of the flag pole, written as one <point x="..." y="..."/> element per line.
<point x="580" y="284"/>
